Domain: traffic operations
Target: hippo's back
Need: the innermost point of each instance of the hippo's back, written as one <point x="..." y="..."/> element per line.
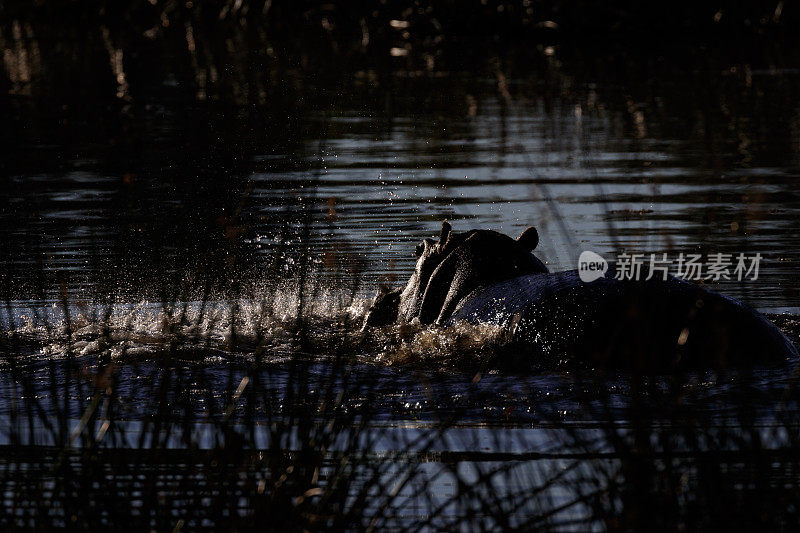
<point x="636" y="325"/>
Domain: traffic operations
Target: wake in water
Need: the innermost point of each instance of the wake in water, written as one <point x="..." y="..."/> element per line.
<point x="276" y="325"/>
<point x="126" y="330"/>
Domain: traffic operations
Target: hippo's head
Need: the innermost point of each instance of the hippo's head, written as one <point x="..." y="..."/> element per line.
<point x="383" y="310"/>
<point x="449" y="269"/>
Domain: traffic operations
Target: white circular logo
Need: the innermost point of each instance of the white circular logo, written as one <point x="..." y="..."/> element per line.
<point x="591" y="266"/>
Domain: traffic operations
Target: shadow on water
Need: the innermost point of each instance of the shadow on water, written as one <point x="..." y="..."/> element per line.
<point x="198" y="197"/>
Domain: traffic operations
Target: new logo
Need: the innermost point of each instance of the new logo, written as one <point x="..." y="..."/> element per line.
<point x="591" y="266"/>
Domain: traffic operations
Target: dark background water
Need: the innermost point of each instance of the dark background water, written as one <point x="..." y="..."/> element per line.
<point x="157" y="151"/>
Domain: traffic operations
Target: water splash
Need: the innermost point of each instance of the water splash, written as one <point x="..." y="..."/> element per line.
<point x="131" y="330"/>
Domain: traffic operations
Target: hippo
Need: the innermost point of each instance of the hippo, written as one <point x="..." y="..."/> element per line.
<point x="555" y="318"/>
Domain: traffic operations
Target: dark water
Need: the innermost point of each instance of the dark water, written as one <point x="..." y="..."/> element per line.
<point x="123" y="202"/>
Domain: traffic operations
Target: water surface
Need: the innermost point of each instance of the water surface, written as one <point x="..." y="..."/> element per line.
<point x="171" y="191"/>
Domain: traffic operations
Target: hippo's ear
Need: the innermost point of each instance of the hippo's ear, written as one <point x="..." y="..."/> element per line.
<point x="529" y="238"/>
<point x="426" y="244"/>
<point x="445" y="234"/>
